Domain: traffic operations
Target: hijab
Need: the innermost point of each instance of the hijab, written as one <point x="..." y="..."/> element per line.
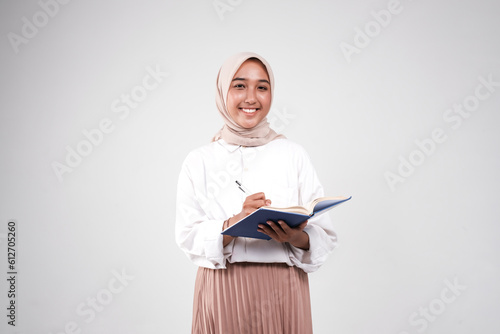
<point x="232" y="132"/>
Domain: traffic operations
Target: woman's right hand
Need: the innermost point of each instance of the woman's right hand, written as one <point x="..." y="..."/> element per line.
<point x="252" y="203"/>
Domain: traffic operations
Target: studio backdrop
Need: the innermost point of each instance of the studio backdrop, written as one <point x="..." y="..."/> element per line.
<point x="396" y="102"/>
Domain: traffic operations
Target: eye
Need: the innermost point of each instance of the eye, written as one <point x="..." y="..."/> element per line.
<point x="263" y="88"/>
<point x="239" y="86"/>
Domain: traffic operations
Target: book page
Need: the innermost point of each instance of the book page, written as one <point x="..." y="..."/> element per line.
<point x="317" y="205"/>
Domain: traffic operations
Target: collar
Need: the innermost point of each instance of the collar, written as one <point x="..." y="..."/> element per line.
<point x="229" y="147"/>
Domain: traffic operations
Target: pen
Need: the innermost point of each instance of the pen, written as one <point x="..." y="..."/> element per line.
<point x="242" y="187"/>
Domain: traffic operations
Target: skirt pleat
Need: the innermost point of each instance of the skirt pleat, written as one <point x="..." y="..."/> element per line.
<point x="253" y="298"/>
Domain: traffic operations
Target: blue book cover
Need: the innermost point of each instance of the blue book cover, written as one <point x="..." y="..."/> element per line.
<point x="293" y="216"/>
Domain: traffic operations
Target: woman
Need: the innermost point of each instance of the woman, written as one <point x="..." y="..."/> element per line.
<point x="248" y="285"/>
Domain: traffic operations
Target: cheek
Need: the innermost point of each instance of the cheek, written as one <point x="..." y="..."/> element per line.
<point x="232" y="100"/>
<point x="265" y="99"/>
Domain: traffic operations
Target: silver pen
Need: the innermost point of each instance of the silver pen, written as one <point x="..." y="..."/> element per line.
<point x="243" y="188"/>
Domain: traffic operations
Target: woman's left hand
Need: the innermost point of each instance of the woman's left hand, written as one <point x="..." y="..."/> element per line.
<point x="281" y="232"/>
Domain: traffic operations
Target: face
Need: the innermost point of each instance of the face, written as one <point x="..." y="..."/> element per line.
<point x="249" y="95"/>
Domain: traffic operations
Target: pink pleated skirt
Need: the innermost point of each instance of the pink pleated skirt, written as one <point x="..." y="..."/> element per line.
<point x="253" y="298"/>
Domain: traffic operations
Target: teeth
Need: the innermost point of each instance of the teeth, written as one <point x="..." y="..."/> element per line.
<point x="249" y="110"/>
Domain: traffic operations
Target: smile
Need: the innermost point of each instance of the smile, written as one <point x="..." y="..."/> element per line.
<point x="248" y="111"/>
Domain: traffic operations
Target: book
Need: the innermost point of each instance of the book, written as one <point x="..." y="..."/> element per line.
<point x="292" y="216"/>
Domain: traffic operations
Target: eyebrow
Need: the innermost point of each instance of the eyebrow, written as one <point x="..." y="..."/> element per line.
<point x="243" y="79"/>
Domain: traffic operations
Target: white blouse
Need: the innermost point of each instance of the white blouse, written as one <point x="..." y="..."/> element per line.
<point x="207" y="195"/>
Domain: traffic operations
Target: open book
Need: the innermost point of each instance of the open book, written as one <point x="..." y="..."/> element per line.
<point x="293" y="216"/>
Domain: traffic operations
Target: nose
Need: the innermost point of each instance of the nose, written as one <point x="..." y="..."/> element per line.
<point x="251" y="96"/>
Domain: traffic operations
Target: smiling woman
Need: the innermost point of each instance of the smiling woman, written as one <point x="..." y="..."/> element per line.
<point x="249" y="97"/>
<point x="250" y="69"/>
<point x="246" y="285"/>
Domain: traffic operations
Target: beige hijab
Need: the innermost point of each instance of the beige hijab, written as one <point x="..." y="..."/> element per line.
<point x="232" y="132"/>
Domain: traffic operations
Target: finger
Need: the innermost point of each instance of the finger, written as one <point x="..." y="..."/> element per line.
<point x="257" y="203"/>
<point x="277" y="228"/>
<point x="259" y="197"/>
<point x="251" y="206"/>
<point x="284" y="226"/>
<point x="302" y="225"/>
<point x="255" y="196"/>
<point x="263" y="228"/>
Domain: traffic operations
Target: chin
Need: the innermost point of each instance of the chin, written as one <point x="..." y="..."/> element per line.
<point x="248" y="126"/>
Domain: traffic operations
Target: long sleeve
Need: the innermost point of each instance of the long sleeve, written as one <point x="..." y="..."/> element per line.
<point x="196" y="233"/>
<point x="322" y="238"/>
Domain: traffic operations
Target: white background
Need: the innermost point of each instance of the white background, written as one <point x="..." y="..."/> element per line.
<point x="357" y="117"/>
